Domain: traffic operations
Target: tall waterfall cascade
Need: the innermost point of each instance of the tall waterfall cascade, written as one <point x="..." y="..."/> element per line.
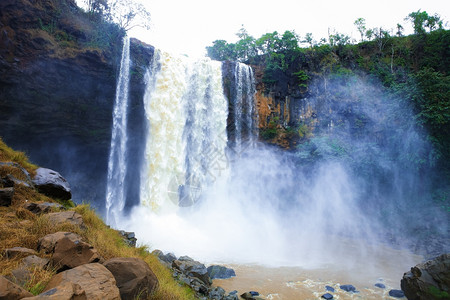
<point x="245" y="114"/>
<point x="117" y="164"/>
<point x="185" y="149"/>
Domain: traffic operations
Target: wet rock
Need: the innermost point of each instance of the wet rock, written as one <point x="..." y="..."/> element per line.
<point x="134" y="278"/>
<point x="250" y="295"/>
<point x="42" y="208"/>
<point x="380" y="285"/>
<point x="198" y="286"/>
<point x="95" y="280"/>
<point x="6" y="195"/>
<point x="193" y="268"/>
<point x="429" y="280"/>
<point x="217" y="293"/>
<point x="68" y="250"/>
<point x="221" y="272"/>
<point x="70" y="217"/>
<point x="329" y="288"/>
<point x="397" y="294"/>
<point x="348" y="288"/>
<point x="11" y="291"/>
<point x="129" y="238"/>
<point x="66" y="290"/>
<point x="52" y="184"/>
<point x="17" y="251"/>
<point x="327" y="296"/>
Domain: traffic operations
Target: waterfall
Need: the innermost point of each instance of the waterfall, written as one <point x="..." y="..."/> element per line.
<point x="245" y="115"/>
<point x="186" y="113"/>
<point x="117" y="164"/>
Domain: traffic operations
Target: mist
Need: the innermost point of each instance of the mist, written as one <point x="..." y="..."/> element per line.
<point x="360" y="184"/>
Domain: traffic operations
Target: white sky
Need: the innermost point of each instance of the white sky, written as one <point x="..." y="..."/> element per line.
<point x="188" y="26"/>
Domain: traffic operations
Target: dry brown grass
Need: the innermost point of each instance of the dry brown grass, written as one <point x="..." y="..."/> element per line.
<point x="8" y="154"/>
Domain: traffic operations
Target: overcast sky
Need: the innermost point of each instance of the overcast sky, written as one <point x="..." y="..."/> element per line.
<point x="188" y="26"/>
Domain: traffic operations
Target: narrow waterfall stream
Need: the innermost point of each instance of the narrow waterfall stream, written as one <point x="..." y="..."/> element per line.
<point x="117" y="164"/>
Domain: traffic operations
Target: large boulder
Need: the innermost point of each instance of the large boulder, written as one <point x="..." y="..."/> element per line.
<point x="70" y="217"/>
<point x="133" y="276"/>
<point x="11" y="291"/>
<point x="94" y="279"/>
<point x="6" y="195"/>
<point x="52" y="184"/>
<point x="429" y="280"/>
<point x="68" y="250"/>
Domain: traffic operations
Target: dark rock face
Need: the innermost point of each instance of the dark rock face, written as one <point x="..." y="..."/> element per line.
<point x="56" y="96"/>
<point x="134" y="278"/>
<point x="52" y="184"/>
<point x="429" y="280"/>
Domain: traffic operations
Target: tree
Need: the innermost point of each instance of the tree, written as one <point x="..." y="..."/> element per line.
<point x="361" y="26"/>
<point x="399" y="30"/>
<point x="418" y="19"/>
<point x="369" y="33"/>
<point x="221" y="51"/>
<point x="128" y="14"/>
<point x="309" y="39"/>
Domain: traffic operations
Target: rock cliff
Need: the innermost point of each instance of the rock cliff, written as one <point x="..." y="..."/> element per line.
<point x="57" y="87"/>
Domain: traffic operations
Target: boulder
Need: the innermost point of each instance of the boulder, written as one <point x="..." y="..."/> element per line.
<point x="48" y="242"/>
<point x="70" y="217"/>
<point x="42" y="208"/>
<point x="329" y="288"/>
<point x="34" y="260"/>
<point x="17" y="251"/>
<point x="133" y="276"/>
<point x="6" y="195"/>
<point x="94" y="279"/>
<point x="396" y="293"/>
<point x="192" y="268"/>
<point x="11" y="291"/>
<point x="348" y="288"/>
<point x="428" y="280"/>
<point x="220" y="272"/>
<point x="64" y="291"/>
<point x="68" y="250"/>
<point x="52" y="184"/>
<point x="327" y="296"/>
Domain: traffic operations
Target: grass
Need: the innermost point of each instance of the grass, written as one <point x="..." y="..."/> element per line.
<point x="21" y="228"/>
<point x="7" y="154"/>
